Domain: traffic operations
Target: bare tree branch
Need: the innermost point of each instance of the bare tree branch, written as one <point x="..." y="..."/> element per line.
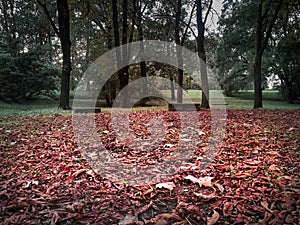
<point x="270" y="27"/>
<point x="181" y="21"/>
<point x="208" y="11"/>
<point x="49" y="17"/>
<point x="188" y="24"/>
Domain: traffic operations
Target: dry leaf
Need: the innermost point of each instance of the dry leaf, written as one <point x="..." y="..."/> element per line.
<point x="213" y="219"/>
<point x="130" y="219"/>
<point x="55" y="218"/>
<point x="168" y="185"/>
<point x="202" y="181"/>
<point x="265" y="205"/>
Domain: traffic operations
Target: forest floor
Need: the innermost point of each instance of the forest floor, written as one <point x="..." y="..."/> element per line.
<point x="253" y="179"/>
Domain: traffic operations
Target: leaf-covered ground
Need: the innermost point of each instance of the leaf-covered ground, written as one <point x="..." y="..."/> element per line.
<point x="254" y="178"/>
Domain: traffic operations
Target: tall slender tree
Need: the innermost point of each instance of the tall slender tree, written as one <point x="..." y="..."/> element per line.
<point x="139" y="23"/>
<point x="179" y="50"/>
<point x="63" y="32"/>
<point x="201" y="51"/>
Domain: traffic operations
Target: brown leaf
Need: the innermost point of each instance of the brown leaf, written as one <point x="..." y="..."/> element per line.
<point x="213" y="219"/>
<point x="265" y="205"/>
<point x="202" y="181"/>
<point x="242" y="175"/>
<point x="220" y="187"/>
<point x="164" y="219"/>
<point x="55" y="218"/>
<point x="168" y="185"/>
<point x="77" y="173"/>
<point x="130" y="219"/>
<point x="227" y="208"/>
<point x="144" y="209"/>
<point x="208" y="197"/>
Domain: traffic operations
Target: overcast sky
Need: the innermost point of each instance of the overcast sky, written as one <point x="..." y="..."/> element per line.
<point x="217" y="6"/>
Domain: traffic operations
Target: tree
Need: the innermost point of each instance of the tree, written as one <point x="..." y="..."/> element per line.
<point x="178" y="50"/>
<point x="244" y="41"/>
<point x="285" y="46"/>
<point x="122" y="53"/>
<point x="265" y="20"/>
<point x="201" y="51"/>
<point x="26" y="76"/>
<point x="234" y="54"/>
<point x="9" y="24"/>
<point x="139" y="22"/>
<point x="63" y="32"/>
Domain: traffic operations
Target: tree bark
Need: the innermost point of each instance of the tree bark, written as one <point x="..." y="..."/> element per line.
<point x="179" y="51"/>
<point x="172" y="88"/>
<point x="121" y="53"/>
<point x="143" y="65"/>
<point x="258" y="59"/>
<point x="202" y="55"/>
<point x="257" y="81"/>
<point x="64" y="34"/>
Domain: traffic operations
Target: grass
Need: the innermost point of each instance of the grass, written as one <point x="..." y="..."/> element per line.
<point x="31" y="108"/>
<point x="242" y="100"/>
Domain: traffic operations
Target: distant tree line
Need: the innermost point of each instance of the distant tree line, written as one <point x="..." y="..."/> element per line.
<point x="256" y="41"/>
<point x="71" y="34"/>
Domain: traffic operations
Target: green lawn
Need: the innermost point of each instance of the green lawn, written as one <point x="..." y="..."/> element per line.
<point x="36" y="107"/>
<point x="242" y="100"/>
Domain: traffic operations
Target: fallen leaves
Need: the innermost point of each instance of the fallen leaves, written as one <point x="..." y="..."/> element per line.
<point x="254" y="179"/>
<point x="130" y="219"/>
<point x="164" y="219"/>
<point x="214" y="218"/>
<point x="168" y="185"/>
<point x="202" y="181"/>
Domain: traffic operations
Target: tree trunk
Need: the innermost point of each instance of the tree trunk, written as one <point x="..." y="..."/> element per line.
<point x="116" y="29"/>
<point x="202" y="55"/>
<point x="64" y="33"/>
<point x="172" y="88"/>
<point x="143" y="65"/>
<point x="258" y="59"/>
<point x="179" y="51"/>
<point x="261" y="44"/>
<point x="257" y="82"/>
<point x="122" y="55"/>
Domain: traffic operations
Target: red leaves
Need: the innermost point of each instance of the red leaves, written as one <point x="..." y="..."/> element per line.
<point x="213" y="219"/>
<point x="76" y="173"/>
<point x="164" y="219"/>
<point x="167" y="185"/>
<point x="202" y="181"/>
<point x="254" y="179"/>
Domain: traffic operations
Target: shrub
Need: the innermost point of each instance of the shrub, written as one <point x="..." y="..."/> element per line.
<point x="25" y="76"/>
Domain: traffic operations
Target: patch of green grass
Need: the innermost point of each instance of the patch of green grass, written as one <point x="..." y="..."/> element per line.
<point x="36" y="107"/>
<point x="241" y="100"/>
<point x="272" y="100"/>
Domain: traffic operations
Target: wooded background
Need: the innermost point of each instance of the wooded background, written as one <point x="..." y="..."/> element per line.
<point x="45" y="45"/>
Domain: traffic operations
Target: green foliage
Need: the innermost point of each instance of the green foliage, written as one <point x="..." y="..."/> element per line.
<point x="25" y="76"/>
<point x="234" y="55"/>
<point x="287" y="51"/>
<point x="236" y="48"/>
